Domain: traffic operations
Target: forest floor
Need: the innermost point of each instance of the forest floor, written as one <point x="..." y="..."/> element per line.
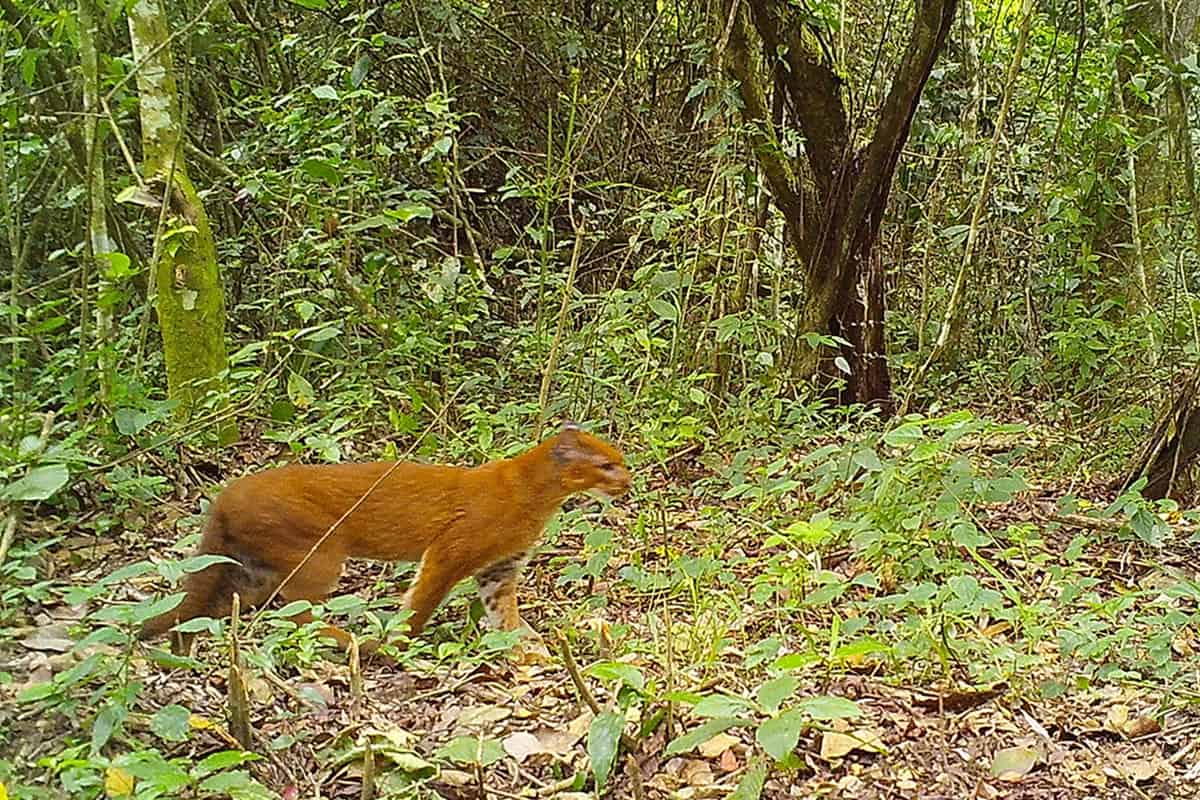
<point x="917" y="737"/>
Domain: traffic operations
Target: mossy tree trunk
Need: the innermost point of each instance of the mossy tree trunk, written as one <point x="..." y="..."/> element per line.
<point x="834" y="192"/>
<point x="190" y="301"/>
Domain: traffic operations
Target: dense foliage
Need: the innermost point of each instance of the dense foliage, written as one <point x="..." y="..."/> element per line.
<point x="439" y="225"/>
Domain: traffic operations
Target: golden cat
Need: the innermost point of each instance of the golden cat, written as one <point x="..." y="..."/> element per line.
<point x="456" y="521"/>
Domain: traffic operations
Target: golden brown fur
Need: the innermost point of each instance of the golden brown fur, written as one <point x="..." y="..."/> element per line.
<point x="456" y="521"/>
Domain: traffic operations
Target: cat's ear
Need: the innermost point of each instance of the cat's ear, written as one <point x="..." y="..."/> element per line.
<point x="567" y="445"/>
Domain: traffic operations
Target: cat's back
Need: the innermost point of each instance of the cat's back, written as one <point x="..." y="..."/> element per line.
<point x="337" y="486"/>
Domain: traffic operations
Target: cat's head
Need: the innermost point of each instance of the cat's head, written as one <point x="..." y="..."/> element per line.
<point x="588" y="462"/>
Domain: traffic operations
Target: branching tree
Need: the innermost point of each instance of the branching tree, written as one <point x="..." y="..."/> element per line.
<point x="834" y="207"/>
<point x="190" y="301"/>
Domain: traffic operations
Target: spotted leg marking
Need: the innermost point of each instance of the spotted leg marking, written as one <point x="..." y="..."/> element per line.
<point x="498" y="591"/>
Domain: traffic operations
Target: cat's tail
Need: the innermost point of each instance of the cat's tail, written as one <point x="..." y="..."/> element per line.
<point x="208" y="592"/>
<point x="201" y="600"/>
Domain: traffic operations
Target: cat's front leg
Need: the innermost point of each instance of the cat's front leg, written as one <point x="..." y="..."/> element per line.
<point x="498" y="592"/>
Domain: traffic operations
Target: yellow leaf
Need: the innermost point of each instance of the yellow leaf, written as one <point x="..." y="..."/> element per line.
<point x="118" y="782"/>
<point x="199" y="723"/>
<point x="1014" y="763"/>
<point x="3" y="791"/>
<point x="718" y="745"/>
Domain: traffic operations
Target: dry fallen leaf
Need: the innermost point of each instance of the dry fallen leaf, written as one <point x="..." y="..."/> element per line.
<point x="456" y="777"/>
<point x="836" y="745"/>
<point x="579" y="726"/>
<point x="728" y="761"/>
<point x="51" y="638"/>
<point x="1118" y="716"/>
<point x="697" y="773"/>
<point x="556" y="742"/>
<point x="1135" y="769"/>
<point x="522" y="745"/>
<point x="1014" y="763"/>
<point x="717" y="745"/>
<point x="1141" y="726"/>
<point x="480" y="717"/>
<point x="850" y="785"/>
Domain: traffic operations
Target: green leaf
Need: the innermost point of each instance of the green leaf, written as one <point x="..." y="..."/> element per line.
<point x="615" y="671"/>
<point x="40" y="483"/>
<point x="39" y="691"/>
<point x="300" y="391"/>
<point x="153" y="770"/>
<point x="965" y="534"/>
<point x="139" y="612"/>
<point x="664" y="309"/>
<point x="315" y="5"/>
<point x="359" y="71"/>
<point x="131" y="421"/>
<point x="1014" y="762"/>
<point x="322" y="170"/>
<point x="720" y="705"/>
<point x="751" y="785"/>
<point x="171" y="723"/>
<point x="376" y="221"/>
<point x="198" y="624"/>
<point x="867" y="459"/>
<point x="168" y="660"/>
<point x="239" y="785"/>
<point x="222" y="761"/>
<point x="118" y="265"/>
<point x="293" y="608"/>
<point x="827" y="707"/>
<point x="203" y="561"/>
<point x="1001" y="490"/>
<point x="105" y="724"/>
<point x="778" y="736"/>
<point x="772" y="693"/>
<point x="659" y="226"/>
<point x="323" y="334"/>
<point x="796" y="660"/>
<point x="325" y="92"/>
<point x="908" y="433"/>
<point x="409" y="210"/>
<point x="470" y="750"/>
<point x="122" y="574"/>
<point x="860" y="648"/>
<point x="700" y="735"/>
<point x="604" y="738"/>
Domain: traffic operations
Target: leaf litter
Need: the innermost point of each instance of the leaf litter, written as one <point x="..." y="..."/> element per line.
<point x="447" y="729"/>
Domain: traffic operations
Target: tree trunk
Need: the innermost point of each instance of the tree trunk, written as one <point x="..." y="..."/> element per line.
<point x="190" y="301"/>
<point x="1170" y="451"/>
<point x="833" y="202"/>
<point x="99" y="245"/>
<point x="1167" y="457"/>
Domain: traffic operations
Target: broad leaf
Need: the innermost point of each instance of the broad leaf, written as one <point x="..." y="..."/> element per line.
<point x="40" y="483"/>
<point x="778" y="736"/>
<point x="604" y="738"/>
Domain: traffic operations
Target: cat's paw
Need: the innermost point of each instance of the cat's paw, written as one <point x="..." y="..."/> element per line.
<point x="532" y="647"/>
<point x="531" y="651"/>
